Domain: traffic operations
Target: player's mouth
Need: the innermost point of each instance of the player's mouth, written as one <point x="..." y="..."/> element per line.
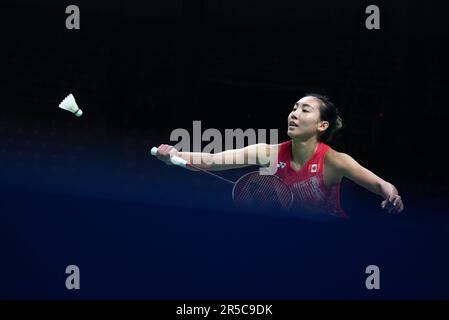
<point x="292" y="124"/>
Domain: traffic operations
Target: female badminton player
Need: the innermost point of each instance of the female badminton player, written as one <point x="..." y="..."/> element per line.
<point x="305" y="163"/>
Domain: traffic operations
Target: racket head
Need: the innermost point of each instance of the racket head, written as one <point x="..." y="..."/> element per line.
<point x="262" y="192"/>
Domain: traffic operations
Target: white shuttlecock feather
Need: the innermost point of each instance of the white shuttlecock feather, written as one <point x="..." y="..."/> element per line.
<point x="69" y="104"/>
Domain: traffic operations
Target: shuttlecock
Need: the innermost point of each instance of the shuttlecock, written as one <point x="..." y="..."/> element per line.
<point x="69" y="104"/>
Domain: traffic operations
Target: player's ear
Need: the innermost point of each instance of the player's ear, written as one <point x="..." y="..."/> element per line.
<point x="323" y="125"/>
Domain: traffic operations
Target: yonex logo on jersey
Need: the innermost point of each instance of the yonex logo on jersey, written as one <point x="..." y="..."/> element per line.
<point x="281" y="165"/>
<point x="314" y="168"/>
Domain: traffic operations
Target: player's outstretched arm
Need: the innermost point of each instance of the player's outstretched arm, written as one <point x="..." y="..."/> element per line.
<point x="344" y="165"/>
<point x="257" y="154"/>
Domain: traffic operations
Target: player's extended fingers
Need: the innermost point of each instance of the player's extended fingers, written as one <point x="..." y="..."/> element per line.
<point x="399" y="206"/>
<point x="396" y="204"/>
<point x="388" y="204"/>
<point x="391" y="198"/>
<point x="397" y="200"/>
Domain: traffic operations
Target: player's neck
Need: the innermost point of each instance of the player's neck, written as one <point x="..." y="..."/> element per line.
<point x="303" y="150"/>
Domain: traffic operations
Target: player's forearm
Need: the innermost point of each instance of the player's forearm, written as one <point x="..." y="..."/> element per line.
<point x="387" y="190"/>
<point x="213" y="162"/>
<point x="382" y="188"/>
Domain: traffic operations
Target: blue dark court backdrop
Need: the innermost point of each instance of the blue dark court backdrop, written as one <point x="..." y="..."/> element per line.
<point x="86" y="192"/>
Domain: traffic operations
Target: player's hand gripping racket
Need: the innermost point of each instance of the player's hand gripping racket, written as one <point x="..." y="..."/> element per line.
<point x="252" y="190"/>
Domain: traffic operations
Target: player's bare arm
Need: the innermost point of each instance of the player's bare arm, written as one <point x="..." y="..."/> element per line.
<point x="256" y="154"/>
<point x="341" y="165"/>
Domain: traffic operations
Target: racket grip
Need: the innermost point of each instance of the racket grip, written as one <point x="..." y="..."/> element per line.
<point x="154" y="151"/>
<point x="177" y="161"/>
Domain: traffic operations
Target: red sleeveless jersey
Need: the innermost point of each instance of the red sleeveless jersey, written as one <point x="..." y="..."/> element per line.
<point x="310" y="192"/>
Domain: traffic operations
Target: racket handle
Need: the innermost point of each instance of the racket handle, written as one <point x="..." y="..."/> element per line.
<point x="177" y="161"/>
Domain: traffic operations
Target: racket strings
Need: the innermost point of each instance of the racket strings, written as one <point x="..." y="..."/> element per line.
<point x="262" y="191"/>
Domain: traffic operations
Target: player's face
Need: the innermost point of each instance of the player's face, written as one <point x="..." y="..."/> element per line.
<point x="304" y="120"/>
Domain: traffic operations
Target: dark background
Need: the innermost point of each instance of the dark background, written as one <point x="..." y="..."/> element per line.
<point x="86" y="191"/>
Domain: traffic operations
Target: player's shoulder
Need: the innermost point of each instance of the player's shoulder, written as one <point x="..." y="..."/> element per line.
<point x="336" y="159"/>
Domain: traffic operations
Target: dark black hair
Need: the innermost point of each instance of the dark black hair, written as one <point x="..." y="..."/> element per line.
<point x="328" y="112"/>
